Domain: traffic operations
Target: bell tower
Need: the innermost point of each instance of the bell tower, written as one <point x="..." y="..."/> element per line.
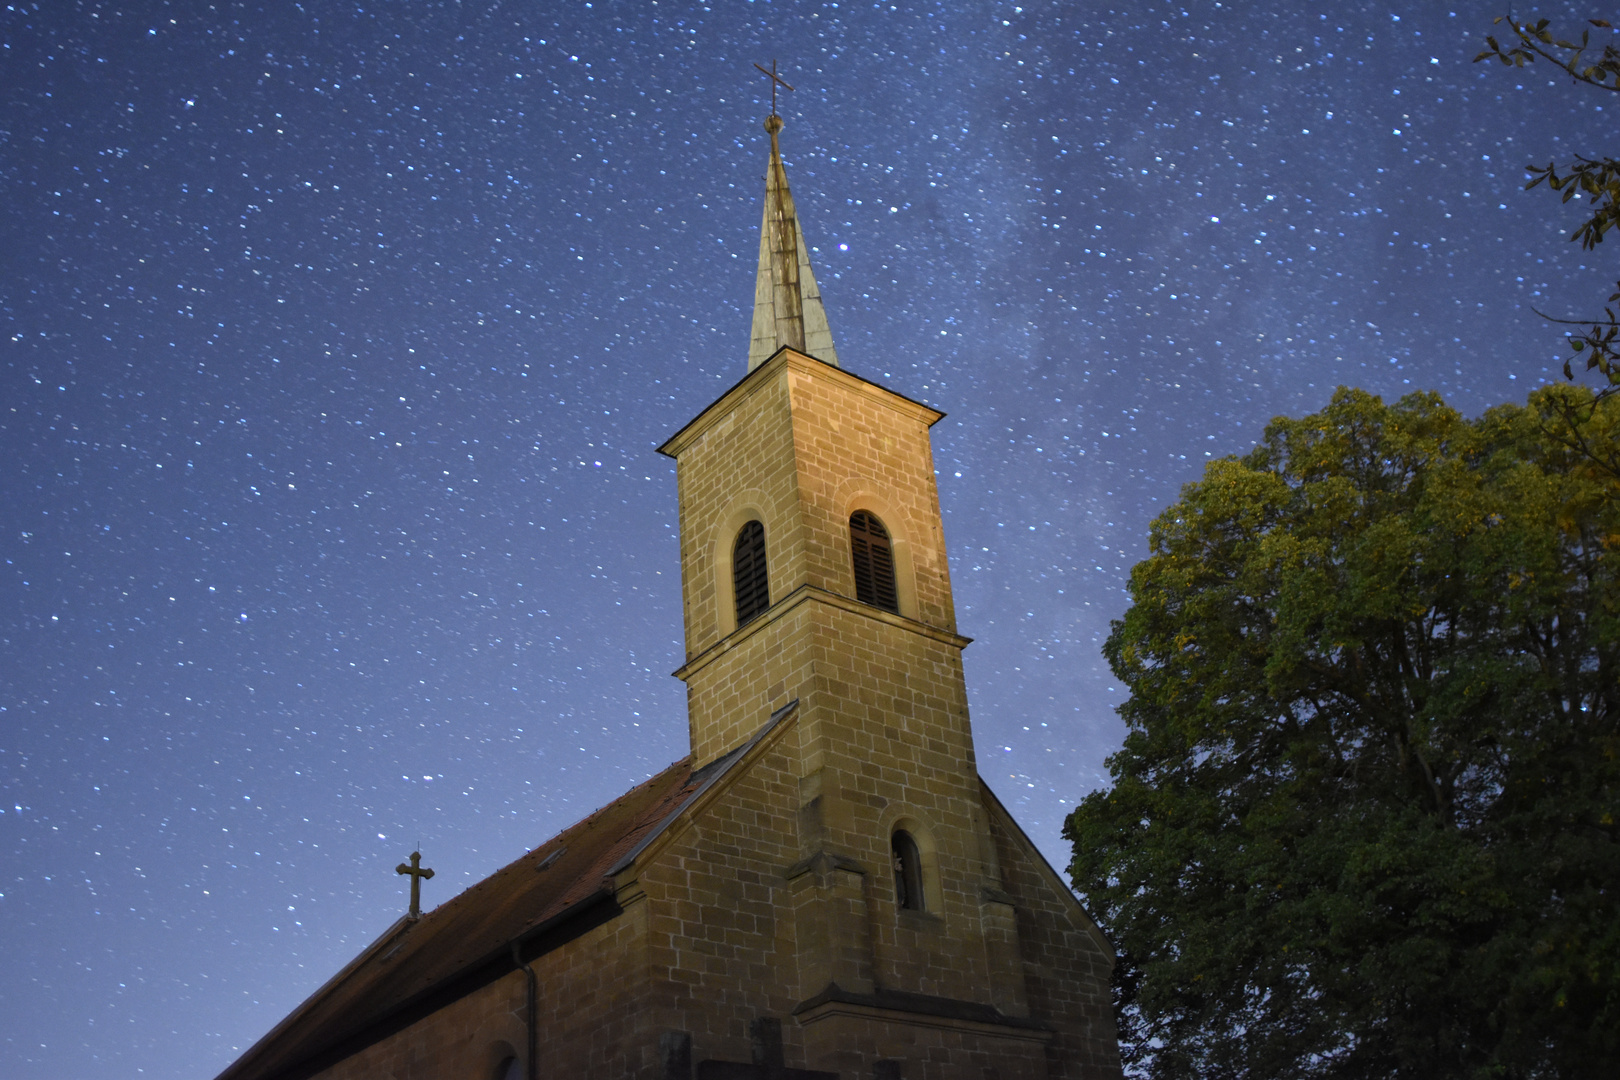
<point x="852" y="617"/>
<point x="826" y="889"/>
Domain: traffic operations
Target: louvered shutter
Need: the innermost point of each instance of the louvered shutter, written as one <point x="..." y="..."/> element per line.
<point x="749" y="576"/>
<point x="874" y="562"/>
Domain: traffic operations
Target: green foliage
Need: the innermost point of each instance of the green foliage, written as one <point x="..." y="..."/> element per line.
<point x="1535" y="40"/>
<point x="1597" y="178"/>
<point x="1363" y="823"/>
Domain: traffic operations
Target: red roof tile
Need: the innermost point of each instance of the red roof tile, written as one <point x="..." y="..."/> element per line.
<point x="467" y="940"/>
<point x="560" y="889"/>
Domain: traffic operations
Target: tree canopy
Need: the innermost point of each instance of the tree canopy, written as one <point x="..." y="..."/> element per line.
<point x="1363" y="822"/>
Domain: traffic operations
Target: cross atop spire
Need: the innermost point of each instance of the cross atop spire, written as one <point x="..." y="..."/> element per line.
<point x="776" y="80"/>
<point x="787" y="303"/>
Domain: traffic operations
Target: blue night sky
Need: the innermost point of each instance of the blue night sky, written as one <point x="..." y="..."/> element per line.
<point x="335" y="341"/>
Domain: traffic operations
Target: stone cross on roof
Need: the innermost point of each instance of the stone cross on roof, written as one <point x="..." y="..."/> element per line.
<point x="417" y="872"/>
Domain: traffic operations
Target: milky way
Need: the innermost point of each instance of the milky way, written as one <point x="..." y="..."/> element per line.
<point x="336" y="342"/>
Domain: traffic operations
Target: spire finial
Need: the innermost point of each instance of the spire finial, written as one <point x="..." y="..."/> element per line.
<point x="776" y="80"/>
<point x="787" y="304"/>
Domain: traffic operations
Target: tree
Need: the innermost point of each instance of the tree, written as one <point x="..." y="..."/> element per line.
<point x="1363" y="822"/>
<point x="1597" y="178"/>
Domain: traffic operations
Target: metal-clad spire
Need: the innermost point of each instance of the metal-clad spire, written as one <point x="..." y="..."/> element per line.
<point x="787" y="304"/>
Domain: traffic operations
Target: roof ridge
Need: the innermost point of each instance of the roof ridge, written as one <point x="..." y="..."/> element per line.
<point x="729" y="760"/>
<point x="585" y="821"/>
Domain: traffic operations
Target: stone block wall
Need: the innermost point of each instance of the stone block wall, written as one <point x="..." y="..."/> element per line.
<point x="723" y="947"/>
<point x="729" y="696"/>
<point x="885" y="726"/>
<point x="859" y="447"/>
<point x="590" y="1007"/>
<point x="800" y="446"/>
<point x="739" y="467"/>
<point x="1067" y="962"/>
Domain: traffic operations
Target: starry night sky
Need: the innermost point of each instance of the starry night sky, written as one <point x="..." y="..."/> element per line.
<point x="337" y="339"/>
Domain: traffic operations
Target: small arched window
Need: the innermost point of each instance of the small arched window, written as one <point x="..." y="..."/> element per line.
<point x="874" y="562"/>
<point x="510" y="1068"/>
<point x="749" y="578"/>
<point x="908" y="879"/>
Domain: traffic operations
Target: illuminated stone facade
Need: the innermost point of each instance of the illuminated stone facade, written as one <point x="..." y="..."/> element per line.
<point x="738" y="915"/>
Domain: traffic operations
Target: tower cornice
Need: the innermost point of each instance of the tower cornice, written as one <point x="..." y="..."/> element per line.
<point x="805" y="594"/>
<point x="796" y="361"/>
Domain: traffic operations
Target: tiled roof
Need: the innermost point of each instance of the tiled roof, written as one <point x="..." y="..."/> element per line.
<point x="466" y="941"/>
<point x="549" y="896"/>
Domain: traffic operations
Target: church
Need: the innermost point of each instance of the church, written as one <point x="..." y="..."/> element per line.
<point x="825" y="888"/>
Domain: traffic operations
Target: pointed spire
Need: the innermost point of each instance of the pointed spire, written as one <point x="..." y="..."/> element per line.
<point x="787" y="304"/>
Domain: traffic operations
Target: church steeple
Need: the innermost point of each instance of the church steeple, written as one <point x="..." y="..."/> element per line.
<point x="787" y="304"/>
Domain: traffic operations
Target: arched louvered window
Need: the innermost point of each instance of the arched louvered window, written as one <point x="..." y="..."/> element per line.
<point x="749" y="579"/>
<point x="874" y="562"/>
<point x="908" y="879"/>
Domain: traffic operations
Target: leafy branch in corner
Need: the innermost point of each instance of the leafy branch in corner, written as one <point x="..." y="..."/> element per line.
<point x="1535" y="40"/>
<point x="1597" y="178"/>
